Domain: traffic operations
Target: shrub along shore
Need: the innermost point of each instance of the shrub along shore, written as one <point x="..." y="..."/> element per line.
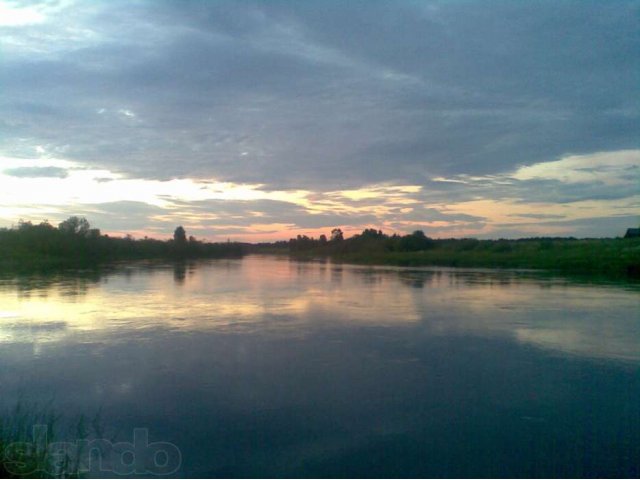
<point x="602" y="257"/>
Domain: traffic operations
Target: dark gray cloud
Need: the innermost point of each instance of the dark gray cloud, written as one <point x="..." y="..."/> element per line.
<point x="554" y="191"/>
<point x="246" y="213"/>
<point x="614" y="226"/>
<point x="125" y="216"/>
<point x="36" y="172"/>
<point x="319" y="94"/>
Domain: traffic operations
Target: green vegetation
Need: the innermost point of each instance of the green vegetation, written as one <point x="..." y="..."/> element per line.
<point x="75" y="244"/>
<point x="607" y="257"/>
<point x="28" y="439"/>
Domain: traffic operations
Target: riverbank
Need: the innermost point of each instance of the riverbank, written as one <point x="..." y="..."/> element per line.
<point x="37" y="262"/>
<point x="43" y="247"/>
<point x="75" y="245"/>
<point x="610" y="258"/>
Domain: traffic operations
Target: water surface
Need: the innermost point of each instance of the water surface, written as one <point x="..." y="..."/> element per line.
<point x="270" y="367"/>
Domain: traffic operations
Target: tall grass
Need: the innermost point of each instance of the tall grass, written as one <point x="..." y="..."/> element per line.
<point x="29" y="436"/>
<point x="606" y="257"/>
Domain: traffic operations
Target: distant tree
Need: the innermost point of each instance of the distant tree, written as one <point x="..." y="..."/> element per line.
<point x="337" y="235"/>
<point x="46" y="225"/>
<point x="22" y="225"/>
<point x="180" y="235"/>
<point x="75" y="226"/>
<point x="371" y="233"/>
<point x="323" y="239"/>
<point x="414" y="242"/>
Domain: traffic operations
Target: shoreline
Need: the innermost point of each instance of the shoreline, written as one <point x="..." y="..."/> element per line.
<point x="613" y="258"/>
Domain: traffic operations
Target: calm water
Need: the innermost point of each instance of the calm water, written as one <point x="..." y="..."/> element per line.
<point x="269" y="367"/>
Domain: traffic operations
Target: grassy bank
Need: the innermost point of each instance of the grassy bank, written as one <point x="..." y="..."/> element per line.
<point x="611" y="257"/>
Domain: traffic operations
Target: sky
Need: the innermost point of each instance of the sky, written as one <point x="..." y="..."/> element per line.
<point x="262" y="120"/>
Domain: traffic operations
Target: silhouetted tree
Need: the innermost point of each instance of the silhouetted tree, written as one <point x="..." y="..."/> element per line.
<point x="415" y="242"/>
<point x="75" y="226"/>
<point x="372" y="233"/>
<point x="337" y="235"/>
<point x="180" y="235"/>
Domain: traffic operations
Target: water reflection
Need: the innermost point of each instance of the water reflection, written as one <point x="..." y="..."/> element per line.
<point x="419" y="280"/>
<point x="242" y="294"/>
<point x="268" y="367"/>
<point x="179" y="272"/>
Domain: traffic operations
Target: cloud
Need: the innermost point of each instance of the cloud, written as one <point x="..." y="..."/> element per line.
<point x="327" y="106"/>
<point x="36" y="172"/>
<point x="611" y="168"/>
<point x="573" y="178"/>
<point x="11" y="16"/>
<point x="465" y="205"/>
<point x="294" y="95"/>
<point x="609" y="226"/>
<point x="536" y="216"/>
<point x="122" y="217"/>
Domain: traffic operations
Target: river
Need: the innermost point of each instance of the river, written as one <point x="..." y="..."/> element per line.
<point x="265" y="366"/>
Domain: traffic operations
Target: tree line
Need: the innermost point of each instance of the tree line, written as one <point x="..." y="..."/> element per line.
<point x="370" y="240"/>
<point x="75" y="241"/>
<point x="610" y="257"/>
